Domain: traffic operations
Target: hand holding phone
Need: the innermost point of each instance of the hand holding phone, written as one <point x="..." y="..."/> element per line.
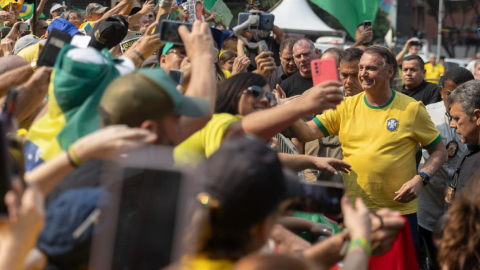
<point x="24" y="28"/>
<point x="367" y="24"/>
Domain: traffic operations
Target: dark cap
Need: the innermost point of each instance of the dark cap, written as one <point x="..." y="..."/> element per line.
<point x="95" y="8"/>
<point x="147" y="94"/>
<point x="246" y="177"/>
<point x="108" y="32"/>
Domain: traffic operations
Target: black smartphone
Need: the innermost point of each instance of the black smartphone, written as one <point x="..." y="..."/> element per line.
<point x="176" y="75"/>
<point x="320" y="197"/>
<point x="367" y="24"/>
<point x="169" y="31"/>
<point x="56" y="40"/>
<point x="162" y="18"/>
<point x="265" y="22"/>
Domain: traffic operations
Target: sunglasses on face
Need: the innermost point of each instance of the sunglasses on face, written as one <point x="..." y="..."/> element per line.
<point x="178" y="52"/>
<point x="258" y="93"/>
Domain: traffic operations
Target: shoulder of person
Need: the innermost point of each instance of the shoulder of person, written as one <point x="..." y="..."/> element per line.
<point x="436" y="106"/>
<point x="432" y="86"/>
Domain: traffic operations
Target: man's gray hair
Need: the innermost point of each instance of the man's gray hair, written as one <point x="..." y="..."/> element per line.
<point x="300" y="42"/>
<point x="387" y="56"/>
<point x="468" y="96"/>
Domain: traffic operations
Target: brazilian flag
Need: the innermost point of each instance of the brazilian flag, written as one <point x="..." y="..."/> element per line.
<point x="26" y="12"/>
<point x="74" y="93"/>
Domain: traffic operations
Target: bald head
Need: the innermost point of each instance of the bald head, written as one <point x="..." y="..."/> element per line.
<point x="11" y="62"/>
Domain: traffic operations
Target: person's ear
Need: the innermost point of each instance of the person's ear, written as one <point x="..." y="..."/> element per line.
<point x="424" y="72"/>
<point x="441" y="91"/>
<point x="163" y="60"/>
<point x="150" y="125"/>
<point x="476" y="113"/>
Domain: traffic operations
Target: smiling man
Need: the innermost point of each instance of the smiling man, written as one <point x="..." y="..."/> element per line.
<point x="465" y="113"/>
<point x="378" y="130"/>
<point x="304" y="52"/>
<point x="414" y="84"/>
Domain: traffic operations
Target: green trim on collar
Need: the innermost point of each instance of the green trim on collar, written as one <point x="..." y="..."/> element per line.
<point x="380" y="107"/>
<point x="434" y="143"/>
<point x="321" y="127"/>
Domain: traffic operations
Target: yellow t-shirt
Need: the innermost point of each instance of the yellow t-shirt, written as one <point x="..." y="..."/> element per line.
<point x="204" y="142"/>
<point x="31" y="53"/>
<point x="379" y="143"/>
<point x="227" y="73"/>
<point x="87" y="26"/>
<point x="202" y="262"/>
<point x="433" y="72"/>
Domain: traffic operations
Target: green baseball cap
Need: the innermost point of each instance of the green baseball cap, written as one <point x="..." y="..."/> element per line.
<point x="147" y="94"/>
<point x="167" y="47"/>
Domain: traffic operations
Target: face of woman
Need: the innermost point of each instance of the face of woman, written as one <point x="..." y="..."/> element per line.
<point x="73" y="18"/>
<point x="228" y="65"/>
<point x="249" y="103"/>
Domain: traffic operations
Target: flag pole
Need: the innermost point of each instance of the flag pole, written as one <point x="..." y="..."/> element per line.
<point x="439" y="37"/>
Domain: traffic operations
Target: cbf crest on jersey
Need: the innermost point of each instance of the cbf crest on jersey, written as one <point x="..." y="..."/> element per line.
<point x="392" y="124"/>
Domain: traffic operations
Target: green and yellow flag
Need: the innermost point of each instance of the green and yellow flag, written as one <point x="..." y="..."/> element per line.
<point x="26" y="12"/>
<point x="350" y="13"/>
<point x="74" y="93"/>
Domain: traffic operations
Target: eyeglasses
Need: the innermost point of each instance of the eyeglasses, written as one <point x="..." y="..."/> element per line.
<point x="180" y="53"/>
<point x="448" y="116"/>
<point x="258" y="93"/>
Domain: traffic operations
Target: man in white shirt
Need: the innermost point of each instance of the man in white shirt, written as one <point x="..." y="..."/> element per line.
<point x="431" y="201"/>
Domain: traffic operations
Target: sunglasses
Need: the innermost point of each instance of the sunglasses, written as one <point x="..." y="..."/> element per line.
<point x="258" y="93"/>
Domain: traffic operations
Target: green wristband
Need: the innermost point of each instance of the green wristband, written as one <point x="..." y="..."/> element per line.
<point x="361" y="241"/>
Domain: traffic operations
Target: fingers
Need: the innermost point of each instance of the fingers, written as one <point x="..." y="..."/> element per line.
<point x="150" y="28"/>
<point x="331" y="169"/>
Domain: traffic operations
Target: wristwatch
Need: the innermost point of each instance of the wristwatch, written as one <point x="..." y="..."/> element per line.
<point x="425" y="177"/>
<point x="165" y="3"/>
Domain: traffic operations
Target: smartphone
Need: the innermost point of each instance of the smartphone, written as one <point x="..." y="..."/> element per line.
<point x="478" y="31"/>
<point x="56" y="40"/>
<point x="176" y="75"/>
<point x="169" y="31"/>
<point x="367" y="24"/>
<point x="324" y="70"/>
<point x="10" y="7"/>
<point x="265" y="22"/>
<point x="24" y="27"/>
<point x="132" y="34"/>
<point x="162" y="18"/>
<point x="320" y="197"/>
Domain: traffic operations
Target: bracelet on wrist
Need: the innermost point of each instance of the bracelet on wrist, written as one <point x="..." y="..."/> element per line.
<point x="73" y="158"/>
<point x="362" y="242"/>
<point x="139" y="55"/>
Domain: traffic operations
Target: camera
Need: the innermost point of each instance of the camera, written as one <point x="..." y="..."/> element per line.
<point x="265" y="21"/>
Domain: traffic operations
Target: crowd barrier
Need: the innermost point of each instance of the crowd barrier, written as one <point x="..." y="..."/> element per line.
<point x="286" y="146"/>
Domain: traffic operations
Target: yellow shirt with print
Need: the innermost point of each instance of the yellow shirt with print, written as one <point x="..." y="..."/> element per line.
<point x="379" y="143"/>
<point x="204" y="142"/>
<point x="433" y="72"/>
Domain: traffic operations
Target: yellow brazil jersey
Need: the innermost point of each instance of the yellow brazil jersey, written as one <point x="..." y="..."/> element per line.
<point x="433" y="72"/>
<point x="379" y="143"/>
<point x="202" y="262"/>
<point x="87" y="26"/>
<point x="204" y="142"/>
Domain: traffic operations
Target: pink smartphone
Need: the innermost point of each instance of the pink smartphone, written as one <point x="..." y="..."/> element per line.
<point x="324" y="70"/>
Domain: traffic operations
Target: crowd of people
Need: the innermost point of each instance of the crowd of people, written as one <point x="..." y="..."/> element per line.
<point x="407" y="159"/>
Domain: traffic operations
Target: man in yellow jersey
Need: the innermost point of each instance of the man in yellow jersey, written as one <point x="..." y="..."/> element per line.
<point x="433" y="70"/>
<point x="379" y="130"/>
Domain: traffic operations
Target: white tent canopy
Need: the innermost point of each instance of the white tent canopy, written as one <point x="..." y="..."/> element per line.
<point x="297" y="16"/>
